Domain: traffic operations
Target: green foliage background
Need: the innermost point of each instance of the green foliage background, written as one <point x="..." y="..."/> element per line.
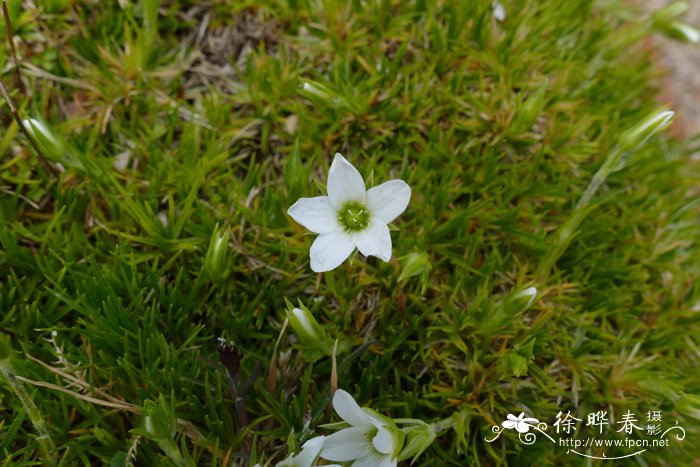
<point x="204" y="103"/>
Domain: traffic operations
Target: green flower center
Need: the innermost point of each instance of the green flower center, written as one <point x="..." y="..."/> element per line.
<point x="353" y="216"/>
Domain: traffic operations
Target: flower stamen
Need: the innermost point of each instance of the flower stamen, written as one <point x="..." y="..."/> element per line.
<point x="353" y="216"/>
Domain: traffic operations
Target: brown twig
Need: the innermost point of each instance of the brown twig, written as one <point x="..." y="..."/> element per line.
<point x="93" y="400"/>
<point x="13" y="50"/>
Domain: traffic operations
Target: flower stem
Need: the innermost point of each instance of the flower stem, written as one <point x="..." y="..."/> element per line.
<point x="566" y="233"/>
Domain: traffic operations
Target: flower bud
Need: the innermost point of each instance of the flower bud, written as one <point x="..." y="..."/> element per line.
<point x="520" y="301"/>
<point x="315" y="90"/>
<point x="314" y="342"/>
<point x="310" y="333"/>
<point x="44" y="136"/>
<point x="418" y="439"/>
<point x="414" y="264"/>
<point x="527" y="113"/>
<point x="159" y="425"/>
<point x="651" y="125"/>
<point x="683" y="32"/>
<point x="519" y="358"/>
<point x="216" y="261"/>
<point x="158" y="421"/>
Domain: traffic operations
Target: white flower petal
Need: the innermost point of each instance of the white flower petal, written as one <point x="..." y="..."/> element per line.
<point x="330" y="249"/>
<point x="499" y="13"/>
<point x="347" y="444"/>
<point x="375" y="460"/>
<point x="375" y="240"/>
<point x="378" y="420"/>
<point x="388" y="200"/>
<point x="384" y="441"/>
<point x="345" y="183"/>
<point x="509" y="424"/>
<point x="316" y="214"/>
<point x="309" y="452"/>
<point x="347" y="409"/>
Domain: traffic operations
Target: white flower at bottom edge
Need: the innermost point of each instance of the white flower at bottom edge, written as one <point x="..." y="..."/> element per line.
<point x="350" y="216"/>
<point x="372" y="440"/>
<point x="308" y="455"/>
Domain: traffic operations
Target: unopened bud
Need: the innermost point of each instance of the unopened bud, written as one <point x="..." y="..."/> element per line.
<point x="520" y="302"/>
<point x="44" y="136"/>
<point x="216" y="262"/>
<point x="683" y="32"/>
<point x="527" y="113"/>
<point x="414" y="264"/>
<point x="160" y="425"/>
<point x="159" y="419"/>
<point x="418" y="438"/>
<point x="315" y="90"/>
<point x="651" y="125"/>
<point x="306" y="327"/>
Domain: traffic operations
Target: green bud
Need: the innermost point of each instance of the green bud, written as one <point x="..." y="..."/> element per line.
<point x="418" y="439"/>
<point x="324" y="96"/>
<point x="44" y="136"/>
<point x="666" y="21"/>
<point x="517" y="364"/>
<point x="216" y="262"/>
<point x="683" y="32"/>
<point x="316" y="91"/>
<point x="310" y="333"/>
<point x="51" y="144"/>
<point x="414" y="264"/>
<point x="159" y="420"/>
<point x="159" y="425"/>
<point x="520" y="301"/>
<point x="649" y="126"/>
<point x="520" y="357"/>
<point x="5" y="349"/>
<point x="527" y="113"/>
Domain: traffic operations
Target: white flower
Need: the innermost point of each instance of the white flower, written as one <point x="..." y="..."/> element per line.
<point x="308" y="455"/>
<point x="372" y="440"/>
<point x="499" y="13"/>
<point x="530" y="293"/>
<point x="350" y="216"/>
<point x="522" y="425"/>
